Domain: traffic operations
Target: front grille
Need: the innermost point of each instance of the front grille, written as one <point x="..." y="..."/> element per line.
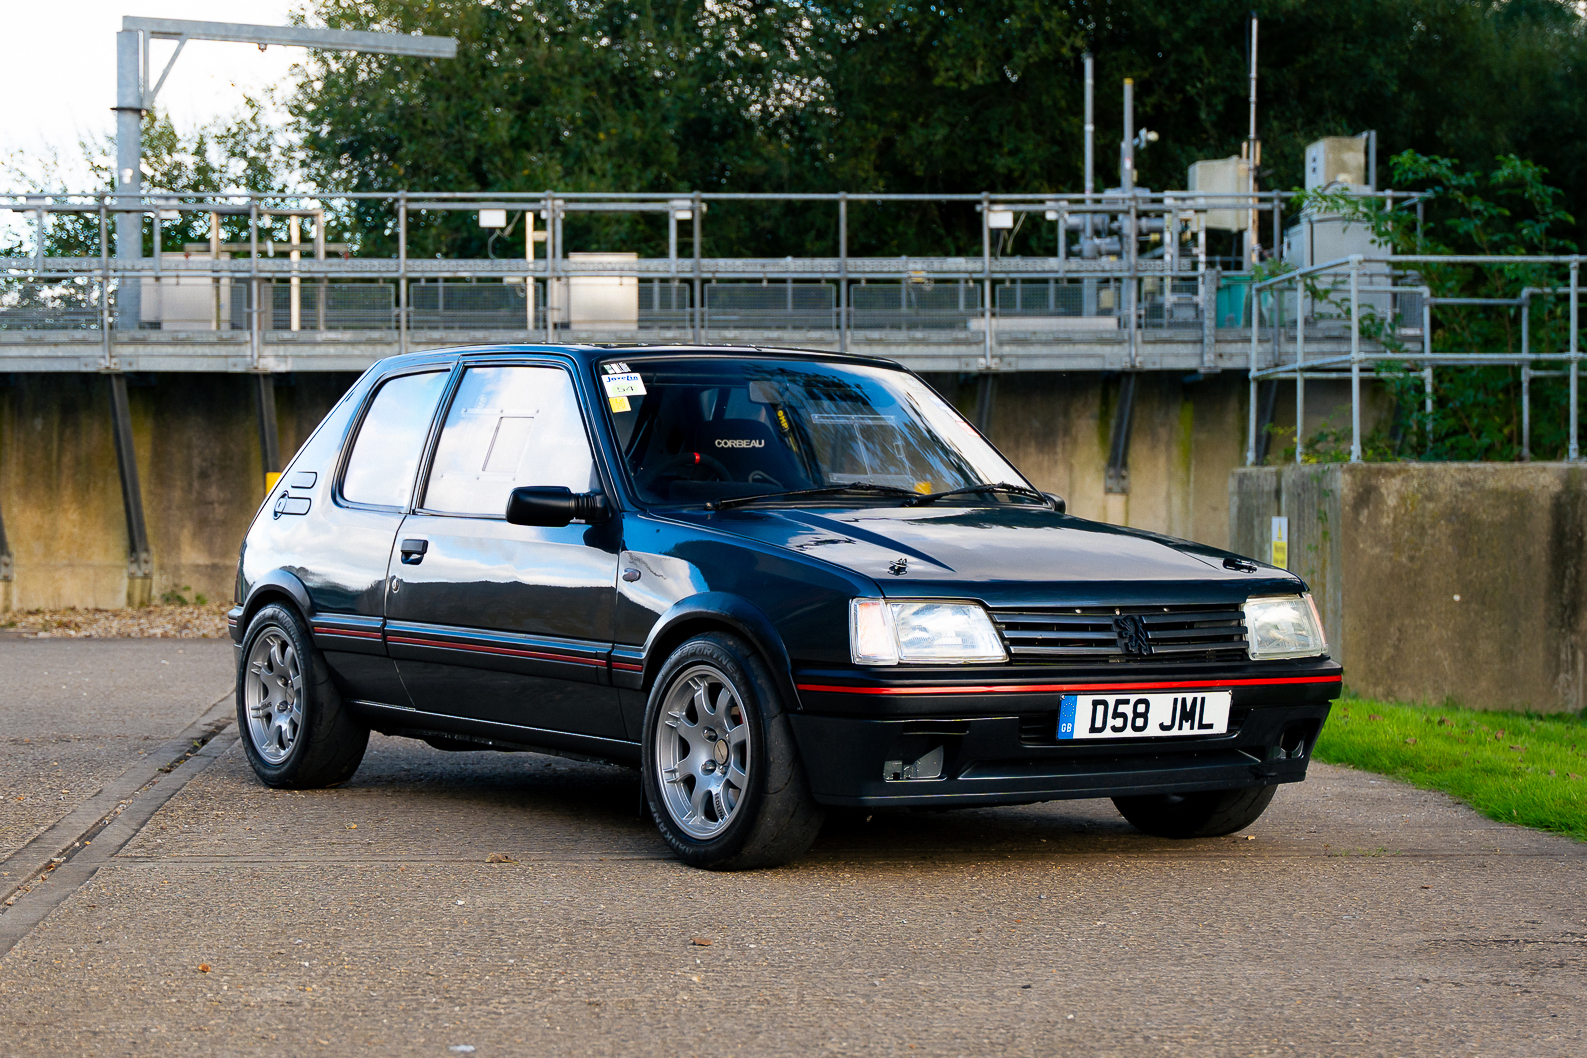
<point x="1142" y="634"/>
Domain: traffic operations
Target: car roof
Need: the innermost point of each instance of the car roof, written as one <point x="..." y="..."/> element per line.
<point x="587" y="354"/>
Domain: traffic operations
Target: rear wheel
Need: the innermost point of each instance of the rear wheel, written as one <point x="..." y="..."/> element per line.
<point x="1209" y="814"/>
<point x="296" y="730"/>
<point x="721" y="772"/>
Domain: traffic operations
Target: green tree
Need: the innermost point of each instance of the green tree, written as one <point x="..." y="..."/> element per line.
<point x="1507" y="211"/>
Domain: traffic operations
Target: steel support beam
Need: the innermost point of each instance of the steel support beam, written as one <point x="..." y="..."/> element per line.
<point x="140" y="567"/>
<point x="128" y="180"/>
<point x="295" y="36"/>
<point x="269" y="438"/>
<point x="1267" y="404"/>
<point x="7" y="564"/>
<point x="1117" y="477"/>
<point x="985" y="402"/>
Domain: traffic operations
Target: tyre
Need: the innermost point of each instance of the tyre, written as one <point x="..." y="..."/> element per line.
<point x="720" y="770"/>
<point x="295" y="728"/>
<point x="1196" y="815"/>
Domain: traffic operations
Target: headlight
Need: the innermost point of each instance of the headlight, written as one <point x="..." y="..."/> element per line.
<point x="1285" y="626"/>
<point x="890" y="633"/>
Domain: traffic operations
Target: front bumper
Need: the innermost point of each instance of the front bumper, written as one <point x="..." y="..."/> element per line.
<point x="880" y="744"/>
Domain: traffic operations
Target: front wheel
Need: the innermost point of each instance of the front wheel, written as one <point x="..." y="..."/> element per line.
<point x="1210" y="814"/>
<point x="720" y="770"/>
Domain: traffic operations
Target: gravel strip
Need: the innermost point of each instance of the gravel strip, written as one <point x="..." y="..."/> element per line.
<point x="148" y="622"/>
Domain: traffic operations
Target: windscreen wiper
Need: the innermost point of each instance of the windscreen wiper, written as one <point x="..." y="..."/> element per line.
<point x="863" y="487"/>
<point x="1000" y="486"/>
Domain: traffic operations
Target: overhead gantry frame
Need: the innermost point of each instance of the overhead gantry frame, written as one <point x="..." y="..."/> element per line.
<point x="134" y="98"/>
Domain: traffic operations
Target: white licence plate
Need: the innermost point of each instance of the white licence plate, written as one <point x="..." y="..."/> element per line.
<point x="1156" y="714"/>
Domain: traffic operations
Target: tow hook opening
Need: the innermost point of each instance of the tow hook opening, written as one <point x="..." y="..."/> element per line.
<point x="1297" y="740"/>
<point x="926" y="766"/>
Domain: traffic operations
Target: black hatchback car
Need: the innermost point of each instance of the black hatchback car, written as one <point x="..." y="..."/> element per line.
<point x="774" y="581"/>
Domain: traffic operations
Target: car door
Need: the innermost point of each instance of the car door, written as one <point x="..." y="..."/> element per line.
<point x="346" y="575"/>
<point x="504" y="623"/>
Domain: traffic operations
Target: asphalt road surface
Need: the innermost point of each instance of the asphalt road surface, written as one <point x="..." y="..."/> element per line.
<point x="211" y="915"/>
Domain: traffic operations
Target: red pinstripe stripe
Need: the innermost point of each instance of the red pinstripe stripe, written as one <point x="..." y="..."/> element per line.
<point x="495" y="650"/>
<point x="1058" y="688"/>
<point x="323" y="631"/>
<point x="626" y="667"/>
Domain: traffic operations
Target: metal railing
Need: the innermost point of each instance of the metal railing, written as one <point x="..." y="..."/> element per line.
<point x="1126" y="268"/>
<point x="1385" y="289"/>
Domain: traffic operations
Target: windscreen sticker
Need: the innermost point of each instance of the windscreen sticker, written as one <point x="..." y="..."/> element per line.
<point x="618" y="403"/>
<point x="626" y="384"/>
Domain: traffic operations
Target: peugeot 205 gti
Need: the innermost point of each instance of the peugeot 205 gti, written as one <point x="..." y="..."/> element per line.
<point x="773" y="581"/>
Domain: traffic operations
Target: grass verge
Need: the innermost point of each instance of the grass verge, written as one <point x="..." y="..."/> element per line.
<point x="1513" y="767"/>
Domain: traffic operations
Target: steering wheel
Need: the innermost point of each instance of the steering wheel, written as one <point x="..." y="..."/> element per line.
<point x="683" y="461"/>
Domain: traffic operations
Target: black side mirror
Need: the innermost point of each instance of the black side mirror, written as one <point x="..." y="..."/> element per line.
<point x="555" y="506"/>
<point x="1057" y="502"/>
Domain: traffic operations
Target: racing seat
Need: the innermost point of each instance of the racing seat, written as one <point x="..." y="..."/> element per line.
<point x="751" y="452"/>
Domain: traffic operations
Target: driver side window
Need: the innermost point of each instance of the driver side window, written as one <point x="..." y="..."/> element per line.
<point x="508" y="427"/>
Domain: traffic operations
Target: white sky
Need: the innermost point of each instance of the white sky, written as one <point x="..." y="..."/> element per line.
<point x="58" y="70"/>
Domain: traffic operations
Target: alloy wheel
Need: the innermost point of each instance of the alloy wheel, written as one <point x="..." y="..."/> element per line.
<point x="702" y="753"/>
<point x="274" y="696"/>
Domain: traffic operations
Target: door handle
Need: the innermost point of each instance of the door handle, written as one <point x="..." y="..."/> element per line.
<point x="413" y="551"/>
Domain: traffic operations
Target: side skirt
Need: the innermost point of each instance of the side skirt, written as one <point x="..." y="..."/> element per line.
<point x="406" y="722"/>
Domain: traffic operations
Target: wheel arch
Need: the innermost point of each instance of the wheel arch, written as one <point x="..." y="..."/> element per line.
<point x="278" y="586"/>
<point x="719" y="612"/>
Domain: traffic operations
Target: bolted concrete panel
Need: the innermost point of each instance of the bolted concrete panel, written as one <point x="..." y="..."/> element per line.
<point x="1438" y="580"/>
<point x="61" y="492"/>
<point x="197" y="445"/>
<point x="1185" y="439"/>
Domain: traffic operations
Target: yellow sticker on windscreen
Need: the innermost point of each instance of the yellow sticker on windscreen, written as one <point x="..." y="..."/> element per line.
<point x="626" y="384"/>
<point x="618" y="403"/>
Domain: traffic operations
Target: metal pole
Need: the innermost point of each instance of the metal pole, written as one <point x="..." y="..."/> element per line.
<point x="1427" y="375"/>
<point x="38" y="245"/>
<point x="1355" y="359"/>
<point x="402" y="271"/>
<point x="1253" y="156"/>
<point x="1300" y="368"/>
<point x="1278" y="224"/>
<point x="1127" y="147"/>
<point x="672" y="259"/>
<point x="104" y="288"/>
<point x="296" y="302"/>
<point x="699" y="282"/>
<point x="1526" y="377"/>
<point x="215" y="282"/>
<point x="1134" y="281"/>
<point x="128" y="181"/>
<point x="986" y="278"/>
<point x="319" y="255"/>
<point x="159" y="288"/>
<point x="843" y="271"/>
<point x="551" y="256"/>
<point x="1091" y="133"/>
<point x="254" y="317"/>
<point x="1574" y="451"/>
<point x="1250" y="428"/>
<point x="529" y="272"/>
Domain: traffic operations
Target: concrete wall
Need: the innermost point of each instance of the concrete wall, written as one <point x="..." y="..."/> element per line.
<point x="1438" y="580"/>
<point x="197" y="443"/>
<point x="1185" y="438"/>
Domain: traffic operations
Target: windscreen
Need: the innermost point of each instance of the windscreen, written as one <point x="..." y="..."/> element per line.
<point x="698" y="429"/>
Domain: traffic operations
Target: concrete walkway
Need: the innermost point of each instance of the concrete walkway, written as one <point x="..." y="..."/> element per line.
<point x="1357" y="917"/>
